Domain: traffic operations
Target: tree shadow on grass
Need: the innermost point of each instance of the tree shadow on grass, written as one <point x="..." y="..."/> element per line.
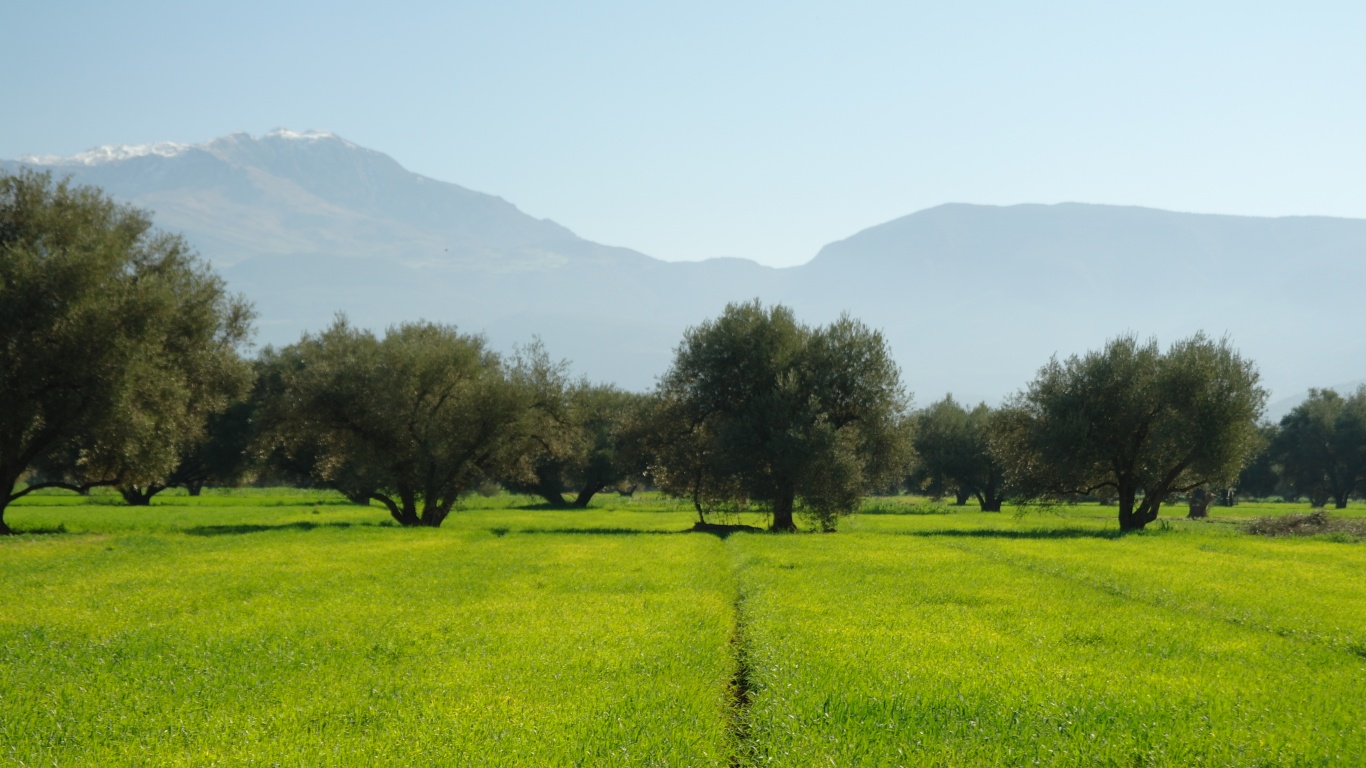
<point x="545" y="506"/>
<point x="593" y="531"/>
<point x="234" y="530"/>
<point x="1035" y="533"/>
<point x="719" y="531"/>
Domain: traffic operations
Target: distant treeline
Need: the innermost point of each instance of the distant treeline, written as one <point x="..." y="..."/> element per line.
<point x="122" y="365"/>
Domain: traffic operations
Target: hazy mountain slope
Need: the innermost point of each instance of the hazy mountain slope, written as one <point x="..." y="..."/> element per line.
<point x="287" y="193"/>
<point x="980" y="296"/>
<point x="972" y="298"/>
<point x="309" y="224"/>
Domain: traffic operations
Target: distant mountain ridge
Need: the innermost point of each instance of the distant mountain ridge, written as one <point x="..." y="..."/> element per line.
<point x="293" y="192"/>
<point x="973" y="299"/>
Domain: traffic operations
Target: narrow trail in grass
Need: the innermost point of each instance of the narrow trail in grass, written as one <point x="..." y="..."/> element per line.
<point x="741" y="689"/>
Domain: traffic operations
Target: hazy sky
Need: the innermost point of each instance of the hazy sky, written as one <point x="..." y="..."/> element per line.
<point x="760" y="130"/>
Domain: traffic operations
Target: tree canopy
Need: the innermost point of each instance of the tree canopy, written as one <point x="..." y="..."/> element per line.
<point x="1321" y="446"/>
<point x="414" y="420"/>
<point x="588" y="453"/>
<point x="1136" y="420"/>
<point x="118" y="341"/>
<point x="758" y="408"/>
<point x="953" y="451"/>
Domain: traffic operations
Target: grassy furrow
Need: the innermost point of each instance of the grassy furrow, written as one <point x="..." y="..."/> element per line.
<point x="345" y="646"/>
<point x="899" y="650"/>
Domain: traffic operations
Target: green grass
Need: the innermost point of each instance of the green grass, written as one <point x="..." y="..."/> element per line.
<point x="293" y="628"/>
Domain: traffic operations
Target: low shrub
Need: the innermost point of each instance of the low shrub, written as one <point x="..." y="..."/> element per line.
<point x="1316" y="523"/>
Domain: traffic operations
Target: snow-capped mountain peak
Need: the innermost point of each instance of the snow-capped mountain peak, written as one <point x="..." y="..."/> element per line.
<point x="109" y="153"/>
<point x="113" y="153"/>
<point x="285" y="133"/>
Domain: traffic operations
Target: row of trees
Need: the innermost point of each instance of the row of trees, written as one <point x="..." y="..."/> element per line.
<point x="1316" y="452"/>
<point x="1128" y="422"/>
<point x="122" y="362"/>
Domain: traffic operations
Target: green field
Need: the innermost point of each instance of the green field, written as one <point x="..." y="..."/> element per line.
<point x="292" y="628"/>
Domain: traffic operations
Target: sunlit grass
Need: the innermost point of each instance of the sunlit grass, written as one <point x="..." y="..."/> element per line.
<point x="364" y="645"/>
<point x="1015" y="650"/>
<point x="290" y="627"/>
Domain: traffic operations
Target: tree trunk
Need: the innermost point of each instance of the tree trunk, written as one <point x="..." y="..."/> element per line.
<point x="989" y="499"/>
<point x="586" y="495"/>
<point x="404" y="511"/>
<point x="1228" y="497"/>
<point x="196" y="487"/>
<point x="1199" y="504"/>
<point x="961" y="497"/>
<point x="139" y="497"/>
<point x="436" y="510"/>
<point x="782" y="514"/>
<point x="551" y="491"/>
<point x="6" y="490"/>
<point x="1340" y="500"/>
<point x="1131" y="519"/>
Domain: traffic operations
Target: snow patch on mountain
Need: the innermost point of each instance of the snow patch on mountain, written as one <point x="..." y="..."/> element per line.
<point x="109" y="154"/>
<point x="310" y="135"/>
<point x="113" y="153"/>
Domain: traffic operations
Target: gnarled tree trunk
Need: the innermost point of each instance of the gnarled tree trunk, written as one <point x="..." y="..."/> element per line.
<point x="1131" y="517"/>
<point x="782" y="513"/>
<point x="586" y="494"/>
<point x="990" y="499"/>
<point x="139" y="497"/>
<point x="1199" y="503"/>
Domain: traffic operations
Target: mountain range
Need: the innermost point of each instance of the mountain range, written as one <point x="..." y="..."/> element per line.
<point x="973" y="299"/>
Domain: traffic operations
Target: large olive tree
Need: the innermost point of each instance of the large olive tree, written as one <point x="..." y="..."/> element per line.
<point x="414" y="420"/>
<point x="116" y="341"/>
<point x="759" y="408"/>
<point x="1131" y="418"/>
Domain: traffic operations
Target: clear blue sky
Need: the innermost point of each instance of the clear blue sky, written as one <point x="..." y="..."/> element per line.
<point x="761" y="130"/>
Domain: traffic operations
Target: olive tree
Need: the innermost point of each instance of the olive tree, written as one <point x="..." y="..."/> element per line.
<point x="952" y="450"/>
<point x="758" y="408"/>
<point x="414" y="420"/>
<point x="583" y="452"/>
<point x="1321" y="446"/>
<point x="220" y="456"/>
<point x="1135" y="420"/>
<point x="116" y="341"/>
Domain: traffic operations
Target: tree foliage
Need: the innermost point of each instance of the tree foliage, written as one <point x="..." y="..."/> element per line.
<point x="117" y="344"/>
<point x="221" y="456"/>
<point x="1261" y="477"/>
<point x="1131" y="418"/>
<point x="1321" y="446"/>
<point x="414" y="420"/>
<point x="758" y="408"/>
<point x="953" y="451"/>
<point x="590" y="454"/>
